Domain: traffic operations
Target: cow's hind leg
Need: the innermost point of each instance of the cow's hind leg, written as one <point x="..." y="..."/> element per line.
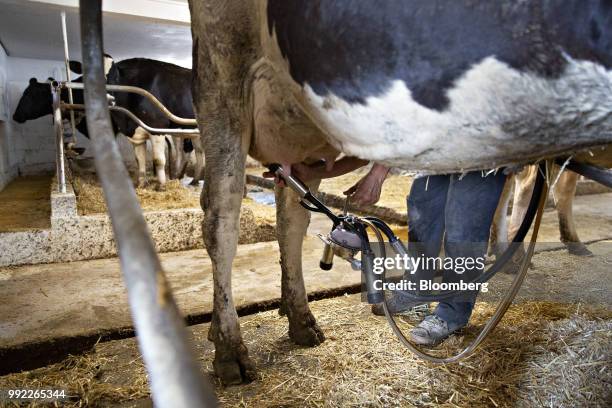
<point x="499" y="229"/>
<point x="564" y="192"/>
<point x="139" y="141"/>
<point x="221" y="199"/>
<point x="199" y="162"/>
<point x="158" y="143"/>
<point x="291" y="223"/>
<point x="178" y="158"/>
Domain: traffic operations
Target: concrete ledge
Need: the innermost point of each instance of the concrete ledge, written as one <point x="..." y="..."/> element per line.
<point x="74" y="237"/>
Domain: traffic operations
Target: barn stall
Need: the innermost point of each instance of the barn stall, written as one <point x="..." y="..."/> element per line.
<point x="65" y="315"/>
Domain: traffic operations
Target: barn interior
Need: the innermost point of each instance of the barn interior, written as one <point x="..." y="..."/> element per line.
<point x="65" y="319"/>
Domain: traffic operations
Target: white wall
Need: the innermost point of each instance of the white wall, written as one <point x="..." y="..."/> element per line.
<point x="33" y="144"/>
<point x="29" y="148"/>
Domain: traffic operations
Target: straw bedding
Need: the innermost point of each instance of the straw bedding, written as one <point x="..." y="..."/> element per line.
<point x="257" y="221"/>
<point x="543" y="353"/>
<point x="90" y="199"/>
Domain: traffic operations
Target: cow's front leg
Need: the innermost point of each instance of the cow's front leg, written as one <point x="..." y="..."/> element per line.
<point x="564" y="193"/>
<point x="158" y="143"/>
<point x="221" y="199"/>
<point x="291" y="223"/>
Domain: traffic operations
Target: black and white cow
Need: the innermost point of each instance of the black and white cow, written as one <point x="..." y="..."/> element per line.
<point x="37" y="102"/>
<point x="169" y="83"/>
<point x="434" y="86"/>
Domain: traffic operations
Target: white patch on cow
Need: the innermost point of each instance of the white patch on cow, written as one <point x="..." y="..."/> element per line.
<point x="108" y="62"/>
<point x="496" y="114"/>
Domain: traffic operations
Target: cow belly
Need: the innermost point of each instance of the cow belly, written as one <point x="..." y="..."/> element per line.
<point x="282" y="132"/>
<point x="497" y="116"/>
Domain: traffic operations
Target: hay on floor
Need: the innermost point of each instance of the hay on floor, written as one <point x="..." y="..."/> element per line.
<point x="543" y="353"/>
<point x="257" y="221"/>
<point x="90" y="198"/>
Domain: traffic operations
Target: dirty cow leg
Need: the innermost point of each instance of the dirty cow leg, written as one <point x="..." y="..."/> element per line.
<point x="564" y="192"/>
<point x="139" y="140"/>
<point x="199" y="165"/>
<point x="221" y="199"/>
<point x="180" y="159"/>
<point x="523" y="189"/>
<point x="291" y="223"/>
<point x="158" y="143"/>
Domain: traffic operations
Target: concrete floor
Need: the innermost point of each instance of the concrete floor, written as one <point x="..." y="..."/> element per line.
<point x="361" y="363"/>
<point x="87" y="297"/>
<point x="42" y="302"/>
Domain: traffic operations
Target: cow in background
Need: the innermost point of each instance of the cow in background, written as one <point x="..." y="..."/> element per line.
<point x="519" y="187"/>
<point x="170" y="84"/>
<point x="36" y="102"/>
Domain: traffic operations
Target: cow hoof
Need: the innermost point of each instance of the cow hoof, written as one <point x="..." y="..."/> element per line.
<point x="306" y="332"/>
<point x="512" y="267"/>
<point x="578" y="248"/>
<point x="194" y="182"/>
<point x="234" y="366"/>
<point x="282" y="310"/>
<point x="160" y="187"/>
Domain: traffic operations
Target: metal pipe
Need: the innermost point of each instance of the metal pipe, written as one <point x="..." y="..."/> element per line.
<point x="60" y="168"/>
<point x="174" y="374"/>
<point x="146" y="94"/>
<point x="602" y="176"/>
<point x="187" y="133"/>
<point x="68" y="79"/>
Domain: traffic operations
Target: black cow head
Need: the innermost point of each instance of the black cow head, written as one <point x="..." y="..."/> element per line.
<point x="35" y="102"/>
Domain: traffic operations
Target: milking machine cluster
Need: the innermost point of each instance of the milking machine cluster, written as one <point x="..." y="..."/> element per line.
<point x="349" y="237"/>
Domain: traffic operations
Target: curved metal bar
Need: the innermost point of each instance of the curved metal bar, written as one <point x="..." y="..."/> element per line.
<point x="170" y="131"/>
<point x="190" y="133"/>
<point x="140" y="91"/>
<point x="174" y="374"/>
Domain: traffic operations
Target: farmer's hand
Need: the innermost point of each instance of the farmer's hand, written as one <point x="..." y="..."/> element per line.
<point x="367" y="190"/>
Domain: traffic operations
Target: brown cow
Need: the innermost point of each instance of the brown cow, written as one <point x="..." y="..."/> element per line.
<point x="563" y="193"/>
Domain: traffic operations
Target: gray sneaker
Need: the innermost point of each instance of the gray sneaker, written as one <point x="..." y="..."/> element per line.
<point x="398" y="304"/>
<point x="430" y="332"/>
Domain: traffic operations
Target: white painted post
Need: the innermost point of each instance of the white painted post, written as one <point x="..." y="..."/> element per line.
<point x="66" y="59"/>
<point x="59" y="138"/>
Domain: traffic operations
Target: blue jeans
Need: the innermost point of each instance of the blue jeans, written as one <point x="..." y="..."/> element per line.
<point x="457" y="212"/>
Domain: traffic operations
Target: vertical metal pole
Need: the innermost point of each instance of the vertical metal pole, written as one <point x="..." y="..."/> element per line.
<point x="175" y="376"/>
<point x="66" y="59"/>
<point x="59" y="139"/>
